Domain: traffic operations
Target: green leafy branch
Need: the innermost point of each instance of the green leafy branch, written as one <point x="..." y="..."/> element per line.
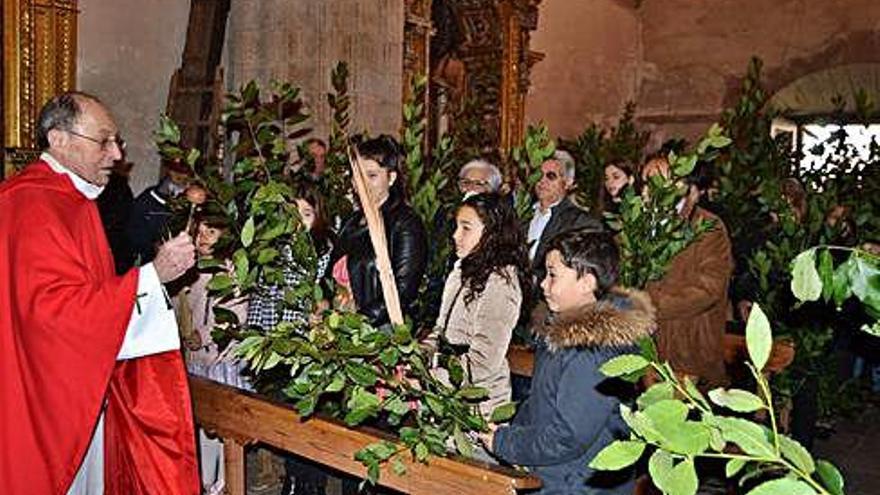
<point x="650" y="229"/>
<point x="337" y="178"/>
<point x="432" y="194"/>
<point x="265" y="235"/>
<point x="679" y="424"/>
<point x="269" y="236"/>
<point x="537" y="147"/>
<point x="814" y="276"/>
<point x="345" y="368"/>
<point x="427" y="180"/>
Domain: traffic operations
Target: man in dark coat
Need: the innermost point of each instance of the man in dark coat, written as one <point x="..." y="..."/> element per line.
<point x="554" y="211"/>
<point x="114" y="205"/>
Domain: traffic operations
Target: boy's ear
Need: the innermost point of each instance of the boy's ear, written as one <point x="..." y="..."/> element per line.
<point x="587" y="285"/>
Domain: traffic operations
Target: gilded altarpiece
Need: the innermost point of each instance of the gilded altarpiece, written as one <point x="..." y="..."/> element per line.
<point x="476" y="54"/>
<point x="39" y="61"/>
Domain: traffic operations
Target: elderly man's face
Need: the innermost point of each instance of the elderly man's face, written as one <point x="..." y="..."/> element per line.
<point x="91" y="147"/>
<point x="475" y="180"/>
<point x="553" y="184"/>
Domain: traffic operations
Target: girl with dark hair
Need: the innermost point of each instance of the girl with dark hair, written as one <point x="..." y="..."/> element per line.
<point x="618" y="175"/>
<point x="484" y="293"/>
<point x="313" y="213"/>
<point x="194" y="310"/>
<point x="405" y="235"/>
<point x="267" y="307"/>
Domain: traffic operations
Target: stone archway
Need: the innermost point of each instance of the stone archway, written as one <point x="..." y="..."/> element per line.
<point x="814" y="94"/>
<point x="852" y="48"/>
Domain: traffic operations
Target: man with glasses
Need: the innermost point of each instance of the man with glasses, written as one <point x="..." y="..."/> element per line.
<point x="554" y="211"/>
<point x="90" y="369"/>
<point x="477" y="177"/>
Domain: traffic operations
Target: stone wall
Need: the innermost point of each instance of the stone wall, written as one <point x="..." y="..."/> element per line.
<point x="300" y="41"/>
<point x="127" y="52"/>
<point x="590" y="69"/>
<point x="681" y="60"/>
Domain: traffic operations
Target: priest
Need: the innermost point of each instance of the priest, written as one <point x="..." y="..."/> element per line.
<point x="93" y="393"/>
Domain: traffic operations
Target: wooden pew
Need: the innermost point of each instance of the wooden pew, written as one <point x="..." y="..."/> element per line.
<point x="240" y="418"/>
<point x="521" y="359"/>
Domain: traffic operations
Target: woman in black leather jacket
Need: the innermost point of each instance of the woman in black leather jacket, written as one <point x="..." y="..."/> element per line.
<point x="403" y="229"/>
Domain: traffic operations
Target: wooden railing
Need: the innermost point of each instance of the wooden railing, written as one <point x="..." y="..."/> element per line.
<point x="240" y="418"/>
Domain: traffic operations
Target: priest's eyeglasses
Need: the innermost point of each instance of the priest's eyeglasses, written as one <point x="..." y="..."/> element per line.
<point x="104" y="143"/>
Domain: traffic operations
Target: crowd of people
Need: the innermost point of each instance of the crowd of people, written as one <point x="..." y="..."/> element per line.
<point x="556" y="274"/>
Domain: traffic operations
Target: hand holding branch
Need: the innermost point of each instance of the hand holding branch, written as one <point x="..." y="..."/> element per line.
<point x="175" y="257"/>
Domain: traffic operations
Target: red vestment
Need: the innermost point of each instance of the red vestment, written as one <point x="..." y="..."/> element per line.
<point x="63" y="316"/>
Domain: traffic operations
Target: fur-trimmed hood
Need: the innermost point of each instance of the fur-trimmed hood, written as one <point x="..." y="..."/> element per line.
<point x="620" y="319"/>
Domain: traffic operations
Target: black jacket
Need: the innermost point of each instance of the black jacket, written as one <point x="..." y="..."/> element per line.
<point x="114" y="205"/>
<point x="572" y="412"/>
<point x="147" y="223"/>
<point x="407" y="248"/>
<point x="565" y="216"/>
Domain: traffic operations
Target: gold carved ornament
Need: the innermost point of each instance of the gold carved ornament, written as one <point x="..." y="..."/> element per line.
<point x="39" y="61"/>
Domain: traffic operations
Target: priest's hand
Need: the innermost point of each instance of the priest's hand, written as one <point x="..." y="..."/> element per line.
<point x="175" y="257"/>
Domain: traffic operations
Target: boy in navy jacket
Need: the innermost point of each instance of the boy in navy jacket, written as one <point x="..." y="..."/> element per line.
<point x="573" y="410"/>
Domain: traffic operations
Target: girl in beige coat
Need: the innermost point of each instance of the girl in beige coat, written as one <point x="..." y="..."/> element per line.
<point x="483" y="294"/>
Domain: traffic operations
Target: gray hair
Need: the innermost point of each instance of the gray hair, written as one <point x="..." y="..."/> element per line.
<point x="61" y="112"/>
<point x="494" y="173"/>
<point x="567" y="161"/>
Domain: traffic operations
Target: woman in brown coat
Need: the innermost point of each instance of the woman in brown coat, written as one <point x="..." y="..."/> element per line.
<point x="483" y="293"/>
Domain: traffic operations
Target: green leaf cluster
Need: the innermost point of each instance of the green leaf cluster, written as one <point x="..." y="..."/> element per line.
<point x="253" y="197"/>
<point x="650" y="230"/>
<point x="536" y="148"/>
<point x="858" y="276"/>
<point x="345" y="368"/>
<point x="432" y="194"/>
<point x="336" y="184"/>
<point x="774" y="235"/>
<point x="675" y="425"/>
